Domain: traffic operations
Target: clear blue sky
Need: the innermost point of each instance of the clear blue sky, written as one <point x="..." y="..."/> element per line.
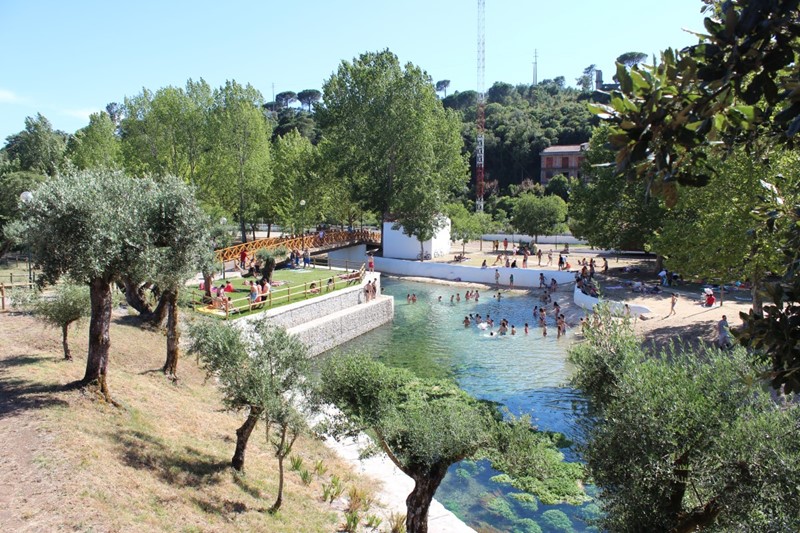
<point x="67" y="58"/>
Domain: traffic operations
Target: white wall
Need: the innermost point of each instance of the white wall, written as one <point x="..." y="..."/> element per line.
<point x="400" y="246"/>
<point x="618" y="308"/>
<point x="523" y="277"/>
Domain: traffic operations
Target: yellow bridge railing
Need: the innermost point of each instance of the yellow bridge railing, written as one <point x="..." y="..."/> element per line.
<point x="328" y="239"/>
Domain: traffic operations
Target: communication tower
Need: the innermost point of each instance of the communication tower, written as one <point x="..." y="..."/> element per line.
<point x="479" y="156"/>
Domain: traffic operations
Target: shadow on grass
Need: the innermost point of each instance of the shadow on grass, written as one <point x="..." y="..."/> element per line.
<point x="183" y="467"/>
<point x="18" y="394"/>
<point x="224" y="507"/>
<point x="694" y="335"/>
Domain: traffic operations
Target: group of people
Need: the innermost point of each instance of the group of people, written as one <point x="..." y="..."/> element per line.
<point x="295" y="256"/>
<point x="259" y="294"/>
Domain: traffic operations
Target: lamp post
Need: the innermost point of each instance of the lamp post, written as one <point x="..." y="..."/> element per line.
<point x="302" y="217"/>
<point x="223" y="221"/>
<point x="26" y="198"/>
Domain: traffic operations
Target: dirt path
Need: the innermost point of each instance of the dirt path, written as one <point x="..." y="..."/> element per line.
<point x="31" y="484"/>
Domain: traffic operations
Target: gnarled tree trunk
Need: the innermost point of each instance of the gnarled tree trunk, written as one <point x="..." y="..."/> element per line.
<point x="99" y="338"/>
<point x="419" y="501"/>
<point x="173" y="335"/>
<point x="134" y="295"/>
<point x="243" y="435"/>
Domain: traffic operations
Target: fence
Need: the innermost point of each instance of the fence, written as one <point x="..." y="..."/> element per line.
<point x="281" y="295"/>
<point x="6" y="286"/>
<point x="328" y="239"/>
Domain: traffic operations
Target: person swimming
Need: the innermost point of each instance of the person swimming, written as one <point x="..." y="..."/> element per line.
<point x="467" y="322"/>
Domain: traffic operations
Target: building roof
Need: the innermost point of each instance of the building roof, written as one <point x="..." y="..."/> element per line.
<point x="565" y="148"/>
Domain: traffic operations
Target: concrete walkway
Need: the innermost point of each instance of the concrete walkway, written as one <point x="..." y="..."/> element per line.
<point x="395" y="485"/>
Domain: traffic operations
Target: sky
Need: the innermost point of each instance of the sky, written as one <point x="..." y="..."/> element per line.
<point x="67" y="59"/>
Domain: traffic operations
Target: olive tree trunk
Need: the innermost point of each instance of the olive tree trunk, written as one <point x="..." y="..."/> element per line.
<point x="99" y="338"/>
<point x="419" y="501"/>
<point x="243" y="435"/>
<point x="64" y="331"/>
<point x="173" y="335"/>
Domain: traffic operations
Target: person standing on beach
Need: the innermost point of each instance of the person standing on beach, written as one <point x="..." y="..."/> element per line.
<point x="672" y="303"/>
<point x="496" y="279"/>
<point x="511" y="281"/>
<point x="505" y="245"/>
<point x="539" y="255"/>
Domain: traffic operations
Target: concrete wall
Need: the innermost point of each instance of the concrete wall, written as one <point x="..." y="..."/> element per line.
<point x="523" y="277"/>
<point x="325" y="321"/>
<point x="544" y="240"/>
<point x="617" y="308"/>
<point x="333" y="330"/>
<point x="352" y="257"/>
<point x="400" y="246"/>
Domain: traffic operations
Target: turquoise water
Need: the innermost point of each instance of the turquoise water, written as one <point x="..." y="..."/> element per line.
<point x="526" y="373"/>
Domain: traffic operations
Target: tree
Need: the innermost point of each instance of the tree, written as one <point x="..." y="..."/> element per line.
<point x="293" y="161"/>
<point x="177" y="229"/>
<point x="630" y="59"/>
<point x="390" y="133"/>
<point x="285" y="98"/>
<point x="441" y="87"/>
<point x="685" y="441"/>
<point x="586" y="81"/>
<point x="309" y="97"/>
<point x="559" y="186"/>
<point x="424" y="426"/>
<point x="12" y="184"/>
<point x="665" y="117"/>
<point x="718" y="219"/>
<point x="536" y="216"/>
<point x="609" y="210"/>
<point x="96" y="145"/>
<point x="240" y="152"/>
<point x="38" y="148"/>
<point x="69" y="303"/>
<point x="466" y="226"/>
<point x="96" y="226"/>
<point x="263" y="371"/>
<point x="85" y="225"/>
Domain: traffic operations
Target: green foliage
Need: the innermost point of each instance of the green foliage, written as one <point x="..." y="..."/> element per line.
<point x="534" y="215"/>
<point x="373" y="521"/>
<point x="560" y="186"/>
<point x="392" y="140"/>
<point x="687" y="440"/>
<point x="320" y="468"/>
<point x="12" y="184"/>
<point x="499" y="506"/>
<point x="556" y="520"/>
<point x="68" y="303"/>
<point x="306" y="477"/>
<point x="608" y="210"/>
<point x="38" y="148"/>
<point x="526" y="525"/>
<point x="264" y="370"/>
<point x="424" y="426"/>
<point x="295" y="463"/>
<point x="96" y="145"/>
<point x="351" y="521"/>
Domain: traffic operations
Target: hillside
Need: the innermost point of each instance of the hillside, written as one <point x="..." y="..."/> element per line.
<point x="157" y="463"/>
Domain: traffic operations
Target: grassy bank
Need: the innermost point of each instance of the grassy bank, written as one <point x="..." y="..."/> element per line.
<point x="158" y="463"/>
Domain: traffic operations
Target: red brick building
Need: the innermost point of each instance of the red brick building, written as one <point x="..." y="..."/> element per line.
<point x="563" y="159"/>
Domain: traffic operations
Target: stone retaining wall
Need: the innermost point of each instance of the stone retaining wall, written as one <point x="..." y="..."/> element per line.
<point x="333" y="330"/>
<point x="328" y="320"/>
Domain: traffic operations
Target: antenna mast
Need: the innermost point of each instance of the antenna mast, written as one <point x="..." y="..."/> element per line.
<point x="479" y="160"/>
<point x="535" y="64"/>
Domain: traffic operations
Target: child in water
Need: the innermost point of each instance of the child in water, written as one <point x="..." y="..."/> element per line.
<point x="526" y="328"/>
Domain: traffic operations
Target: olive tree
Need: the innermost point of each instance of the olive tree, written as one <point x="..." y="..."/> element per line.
<point x="424" y="426"/>
<point x="263" y="371"/>
<point x="97" y="226"/>
<point x="687" y="440"/>
<point x="68" y="304"/>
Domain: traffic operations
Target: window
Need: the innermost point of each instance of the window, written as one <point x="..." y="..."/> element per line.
<point x="565" y="162"/>
<point x="548" y="162"/>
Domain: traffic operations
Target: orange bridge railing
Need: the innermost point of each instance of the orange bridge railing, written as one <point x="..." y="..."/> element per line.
<point x="329" y="239"/>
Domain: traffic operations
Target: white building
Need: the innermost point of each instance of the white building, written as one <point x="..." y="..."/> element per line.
<point x="400" y="246"/>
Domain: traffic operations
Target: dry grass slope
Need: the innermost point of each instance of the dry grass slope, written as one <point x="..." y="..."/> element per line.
<point x="159" y="463"/>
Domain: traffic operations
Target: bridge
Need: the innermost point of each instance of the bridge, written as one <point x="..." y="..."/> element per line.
<point x="330" y="240"/>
